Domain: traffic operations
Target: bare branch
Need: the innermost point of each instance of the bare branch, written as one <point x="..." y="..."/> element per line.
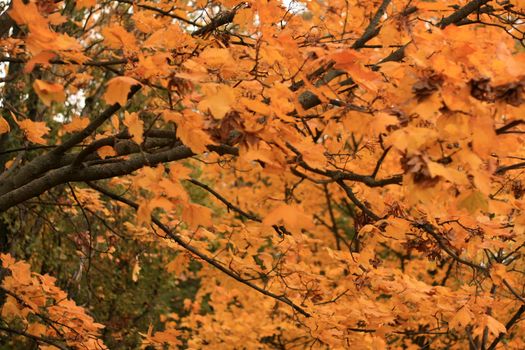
<point x="228" y="204"/>
<point x="462" y="13"/>
<point x="373" y="27"/>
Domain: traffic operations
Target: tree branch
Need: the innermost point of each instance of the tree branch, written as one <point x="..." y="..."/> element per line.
<point x="454" y="18"/>
<point x="504" y="129"/>
<point x="36" y="338"/>
<point x="47" y="161"/>
<point x="228" y="204"/>
<point x="503" y="169"/>
<point x="80" y="136"/>
<point x="372" y="30"/>
<point x="160" y="11"/>
<point x="222" y="18"/>
<point x="462" y="13"/>
<point x="201" y="255"/>
<point x="357" y="202"/>
<point x="509" y="324"/>
<point x="96" y="172"/>
<point x="428" y="228"/>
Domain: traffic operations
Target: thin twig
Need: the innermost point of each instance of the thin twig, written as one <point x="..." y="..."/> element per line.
<point x="228" y="204"/>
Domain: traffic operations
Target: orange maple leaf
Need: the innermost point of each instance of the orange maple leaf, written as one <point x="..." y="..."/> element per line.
<point x="135" y="126"/>
<point x="118" y="89"/>
<point x="49" y="92"/>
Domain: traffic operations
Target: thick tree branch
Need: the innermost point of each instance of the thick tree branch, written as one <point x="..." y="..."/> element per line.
<point x="373" y="27"/>
<point x="96" y="172"/>
<point x="47" y="161"/>
<point x="462" y="13"/>
<point x="6" y="23"/>
<point x="109" y="169"/>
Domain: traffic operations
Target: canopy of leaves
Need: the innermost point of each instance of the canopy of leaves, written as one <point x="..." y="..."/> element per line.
<point x="262" y="174"/>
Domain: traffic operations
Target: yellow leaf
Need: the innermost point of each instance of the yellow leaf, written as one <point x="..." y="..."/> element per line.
<point x="42" y="58"/>
<point x="179" y="172"/>
<point x="144" y="213"/>
<point x="41" y="38"/>
<point x="411" y="139"/>
<point x="452" y="175"/>
<point x="4" y="126"/>
<point x="49" y="92"/>
<point x="9" y="163"/>
<point x="80" y="4"/>
<point x="26" y="13"/>
<point x="380" y="122"/>
<point x="474" y="201"/>
<point x="78" y="123"/>
<point x="178" y="265"/>
<point x="115" y="123"/>
<point x="118" y="89"/>
<point x="10" y="309"/>
<point x="215" y="56"/>
<point x="146" y="23"/>
<point x="136" y="271"/>
<point x="462" y="318"/>
<point x="117" y="37"/>
<point x="135" y="126"/>
<point x="189" y="130"/>
<point x="351" y="61"/>
<point x="256" y="106"/>
<point x="171" y="36"/>
<point x="173" y="189"/>
<point x="196" y="215"/>
<point x="218" y="100"/>
<point x="280" y="99"/>
<point x="168" y="336"/>
<point x="268" y="156"/>
<point x="37" y="329"/>
<point x="291" y="216"/>
<point x="498" y="273"/>
<point x="56" y="19"/>
<point x="495" y="327"/>
<point x="312" y="153"/>
<point x="106" y="151"/>
<point x="7" y="260"/>
<point x="33" y="131"/>
<point x="244" y="17"/>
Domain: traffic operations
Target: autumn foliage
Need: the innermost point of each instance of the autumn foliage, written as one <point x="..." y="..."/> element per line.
<point x="263" y="174"/>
